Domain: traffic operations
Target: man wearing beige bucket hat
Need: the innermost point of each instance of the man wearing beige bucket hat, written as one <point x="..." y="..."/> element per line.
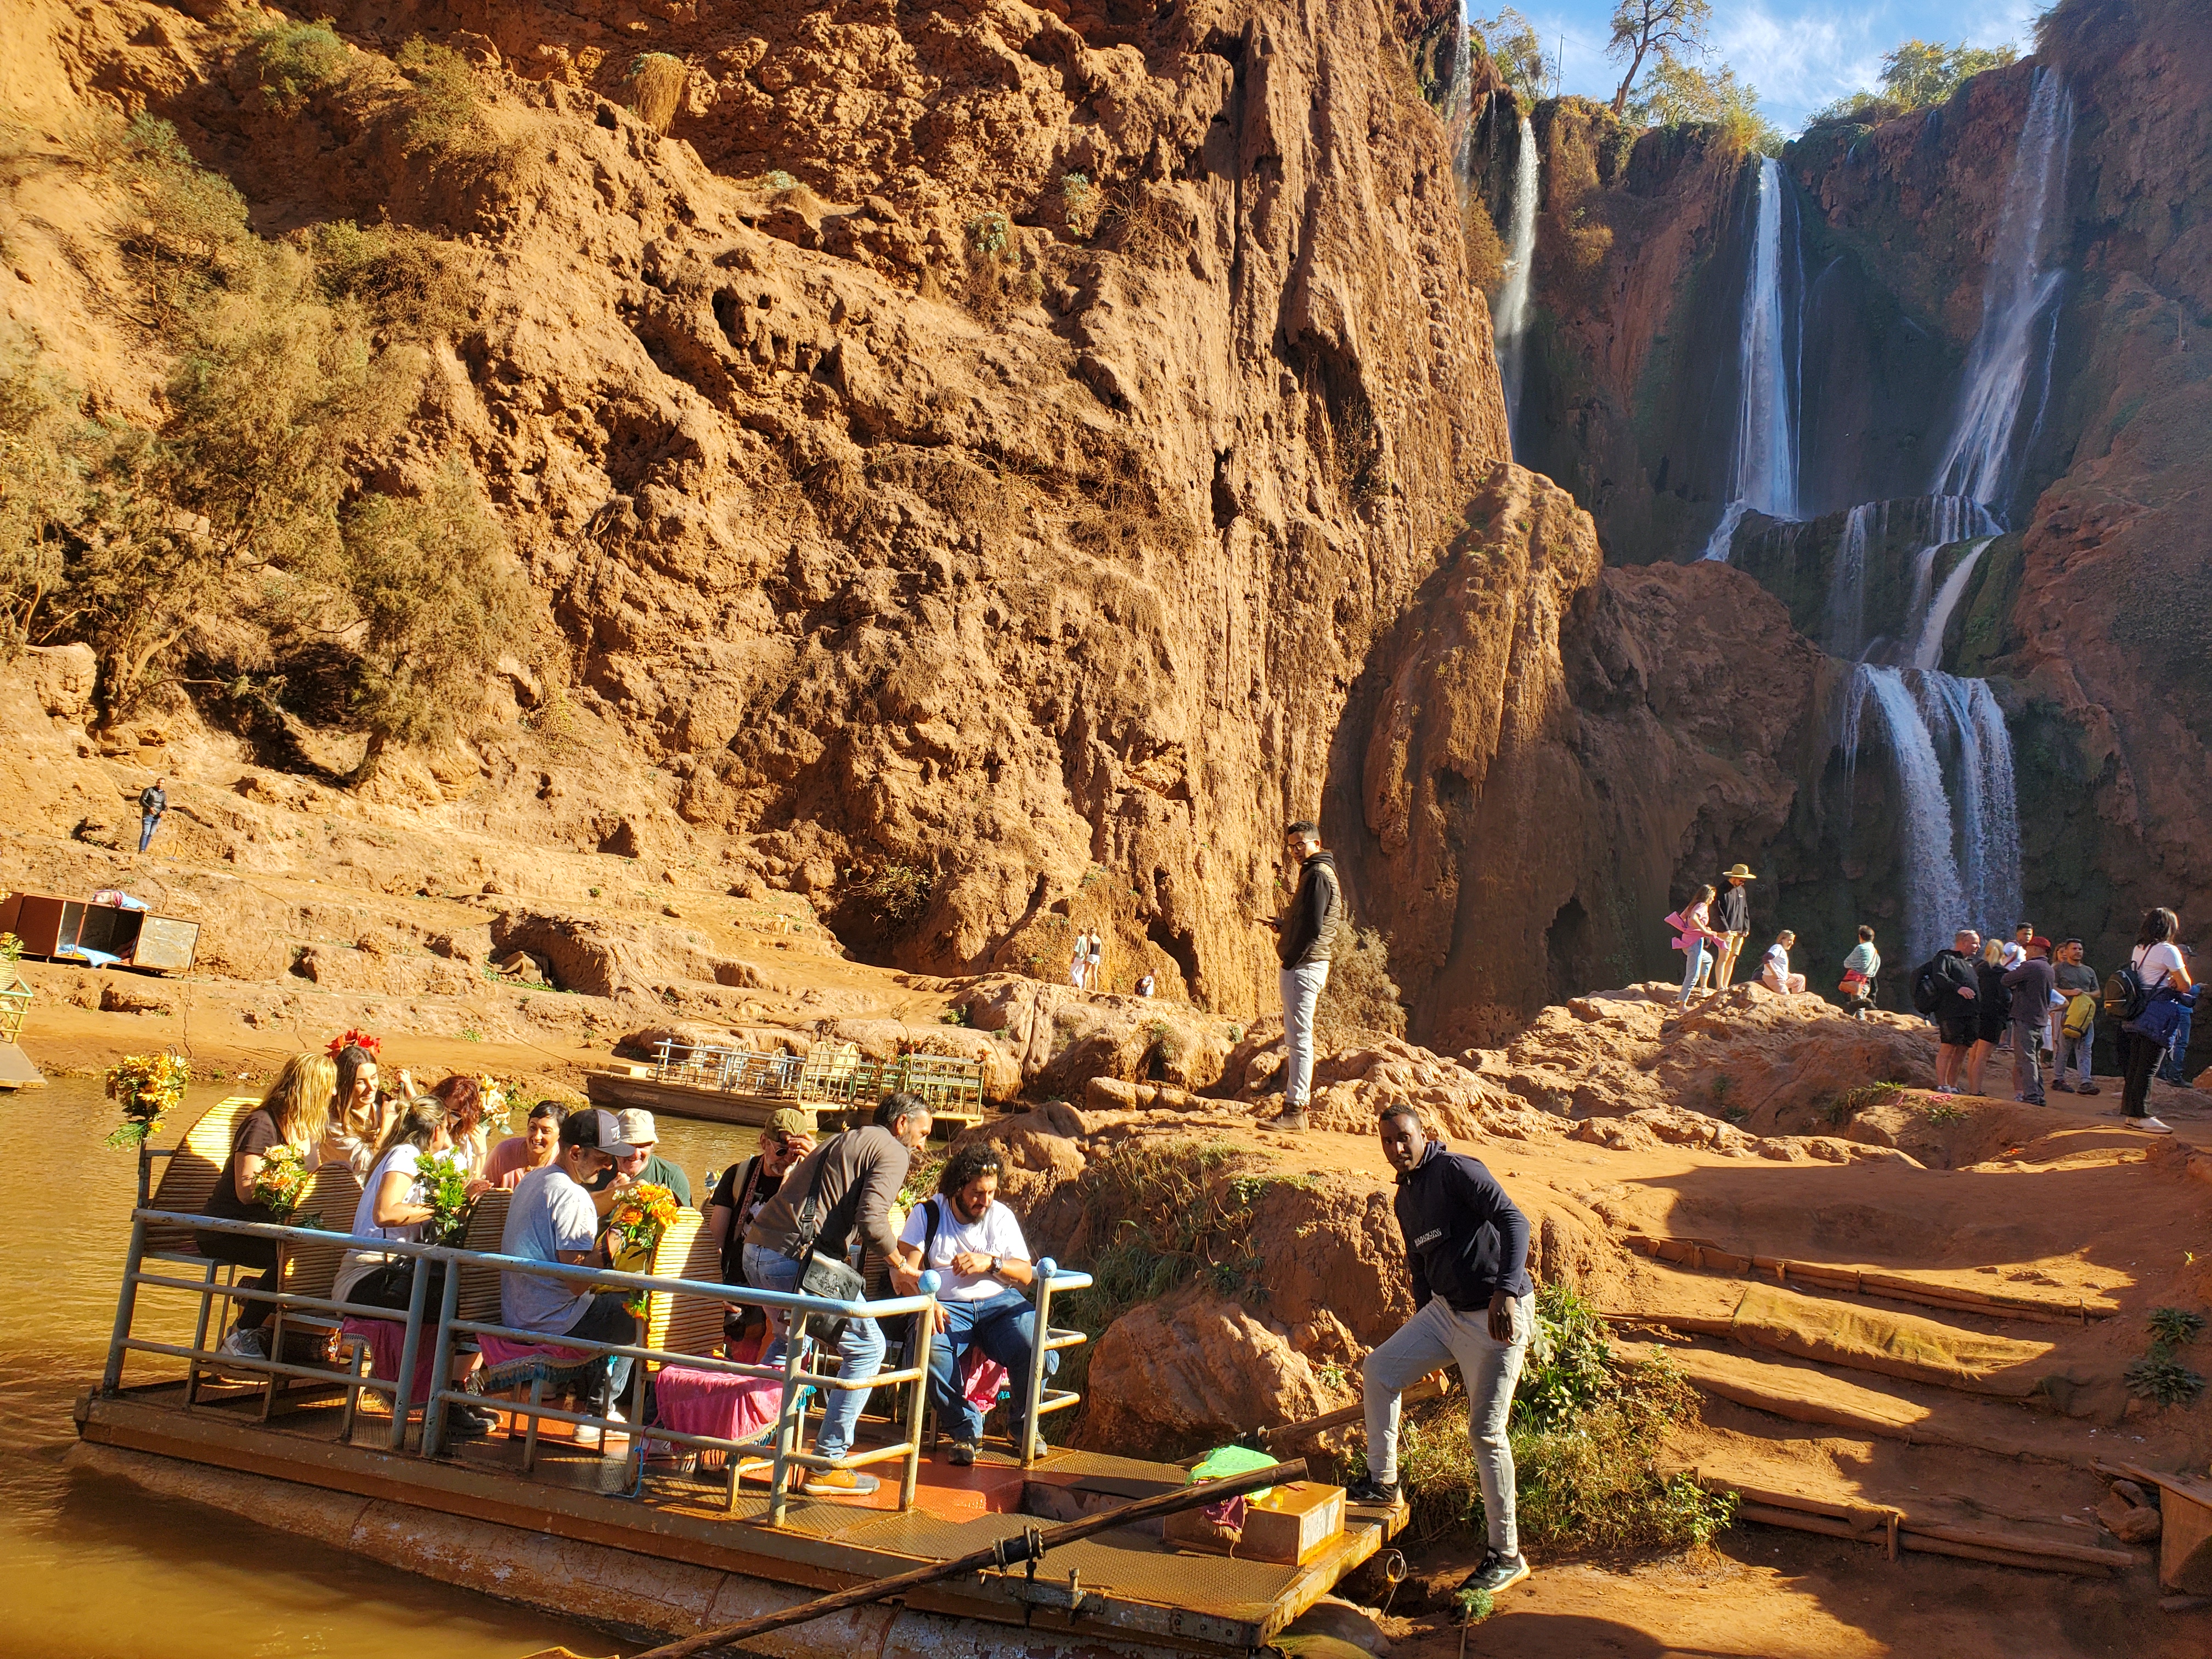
<point x="644" y="1161"/>
<point x="1733" y="913"/>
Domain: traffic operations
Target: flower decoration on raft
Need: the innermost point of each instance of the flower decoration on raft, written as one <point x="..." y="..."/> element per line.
<point x="637" y="1221"/>
<point x="500" y="1096"/>
<point x="281" y="1183"/>
<point x="146" y="1086"/>
<point x="443" y="1180"/>
<point x="350" y="1038"/>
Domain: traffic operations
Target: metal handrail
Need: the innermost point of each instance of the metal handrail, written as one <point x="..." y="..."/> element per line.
<point x="791" y="1374"/>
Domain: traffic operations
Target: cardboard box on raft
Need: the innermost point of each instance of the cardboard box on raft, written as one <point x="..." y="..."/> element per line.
<point x="1290" y="1525"/>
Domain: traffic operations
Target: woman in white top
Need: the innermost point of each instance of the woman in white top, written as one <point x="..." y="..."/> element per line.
<point x="2160" y="964"/>
<point x="391" y="1208"/>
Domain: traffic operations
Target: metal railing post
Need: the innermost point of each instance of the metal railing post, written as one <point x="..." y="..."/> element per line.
<point x="126" y="1303"/>
<point x="434" y="1414"/>
<point x="924" y="1325"/>
<point x="403" y="1385"/>
<point x="1033" y="1386"/>
<point x="778" y="1496"/>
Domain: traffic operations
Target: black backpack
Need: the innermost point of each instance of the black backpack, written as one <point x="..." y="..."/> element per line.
<point x="1927" y="991"/>
<point x="2125" y="994"/>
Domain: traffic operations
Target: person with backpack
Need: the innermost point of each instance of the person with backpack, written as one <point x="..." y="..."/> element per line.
<point x="977" y="1246"/>
<point x="1945" y="989"/>
<point x="1695" y="938"/>
<point x="1306" y="935"/>
<point x="2147" y="996"/>
<point x="2077" y="1027"/>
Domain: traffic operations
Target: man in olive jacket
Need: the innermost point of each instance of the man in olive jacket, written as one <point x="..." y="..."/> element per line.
<point x="1307" y="937"/>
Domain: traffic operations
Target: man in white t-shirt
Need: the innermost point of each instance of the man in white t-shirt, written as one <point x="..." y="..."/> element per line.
<point x="977" y="1247"/>
<point x="552" y="1219"/>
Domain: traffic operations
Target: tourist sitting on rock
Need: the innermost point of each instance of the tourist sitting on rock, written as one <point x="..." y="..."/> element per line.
<point x="846" y="1185"/>
<point x="1993" y="1011"/>
<point x="2030" y="987"/>
<point x="552" y="1219"/>
<point x="293" y="1114"/>
<point x="1946" y="989"/>
<point x="1860" y="967"/>
<point x="2077" y="1022"/>
<point x="644" y="1162"/>
<point x="977" y="1249"/>
<point x="517" y="1155"/>
<point x="1775" y="974"/>
<point x="745" y="1188"/>
<point x="1466" y="1250"/>
<point x="357" y="1115"/>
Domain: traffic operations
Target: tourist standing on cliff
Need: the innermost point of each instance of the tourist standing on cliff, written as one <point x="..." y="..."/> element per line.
<point x="1859" y="970"/>
<point x="2031" y="984"/>
<point x="153" y="802"/>
<point x="1946" y="989"/>
<point x="1732" y="915"/>
<point x="1695" y="938"/>
<point x="2158" y="962"/>
<point x="2077" y="1028"/>
<point x="1466" y="1250"/>
<point x="1306" y="935"/>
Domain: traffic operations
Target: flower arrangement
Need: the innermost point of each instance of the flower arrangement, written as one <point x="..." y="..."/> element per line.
<point x="637" y="1221"/>
<point x="499" y="1097"/>
<point x="350" y="1038"/>
<point x="281" y="1183"/>
<point x="443" y="1180"/>
<point x="147" y="1086"/>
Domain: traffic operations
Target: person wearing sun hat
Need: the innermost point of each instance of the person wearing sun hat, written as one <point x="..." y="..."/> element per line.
<point x="1732" y="913"/>
<point x="645" y="1162"/>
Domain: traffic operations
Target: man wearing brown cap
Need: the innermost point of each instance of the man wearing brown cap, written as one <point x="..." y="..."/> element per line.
<point x="2031" y="984"/>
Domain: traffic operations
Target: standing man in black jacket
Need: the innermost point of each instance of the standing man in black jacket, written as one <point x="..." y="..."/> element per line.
<point x="1467" y="1248"/>
<point x="1308" y="932"/>
<point x="1957" y="1012"/>
<point x="1732" y="915"/>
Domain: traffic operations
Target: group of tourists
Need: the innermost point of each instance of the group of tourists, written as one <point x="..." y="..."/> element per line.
<point x="770" y="1215"/>
<point x="2043" y="1001"/>
<point x="1711" y="930"/>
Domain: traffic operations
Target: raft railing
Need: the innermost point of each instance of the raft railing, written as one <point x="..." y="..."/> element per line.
<point x="795" y="1373"/>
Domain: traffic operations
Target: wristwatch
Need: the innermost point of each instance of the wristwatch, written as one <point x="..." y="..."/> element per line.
<point x="998" y="1266"/>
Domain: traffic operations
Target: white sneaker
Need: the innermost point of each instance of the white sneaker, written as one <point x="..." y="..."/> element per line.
<point x="588" y="1434"/>
<point x="2154" y="1125"/>
<point x="242" y="1344"/>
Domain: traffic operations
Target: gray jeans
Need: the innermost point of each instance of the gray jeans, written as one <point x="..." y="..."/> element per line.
<point x="1439" y="1335"/>
<point x="2027" y="1061"/>
<point x="2075" y="1051"/>
<point x="1301" y="991"/>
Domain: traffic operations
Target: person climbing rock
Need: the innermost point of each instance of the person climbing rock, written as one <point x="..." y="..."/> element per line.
<point x="2031" y="984"/>
<point x="1732" y="915"/>
<point x="1306" y="935"/>
<point x="1467" y="1250"/>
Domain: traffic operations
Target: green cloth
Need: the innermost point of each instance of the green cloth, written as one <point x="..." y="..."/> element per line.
<point x="659" y="1171"/>
<point x="1226" y="1461"/>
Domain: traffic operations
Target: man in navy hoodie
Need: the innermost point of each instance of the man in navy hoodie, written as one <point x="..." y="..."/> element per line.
<point x="1467" y="1248"/>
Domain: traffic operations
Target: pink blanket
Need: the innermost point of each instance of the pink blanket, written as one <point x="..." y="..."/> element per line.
<point x="388" y="1346"/>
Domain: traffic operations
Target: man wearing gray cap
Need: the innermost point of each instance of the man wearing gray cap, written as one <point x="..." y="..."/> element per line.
<point x="552" y="1219"/>
<point x="645" y="1162"/>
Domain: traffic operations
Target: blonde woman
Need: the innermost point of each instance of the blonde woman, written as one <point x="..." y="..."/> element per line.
<point x="1993" y="1011"/>
<point x="292" y="1114"/>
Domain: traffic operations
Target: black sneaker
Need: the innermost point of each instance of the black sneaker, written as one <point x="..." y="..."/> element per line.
<point x="1292" y="1121"/>
<point x="468" y="1423"/>
<point x="1497" y="1572"/>
<point x="962" y="1454"/>
<point x="1373" y="1495"/>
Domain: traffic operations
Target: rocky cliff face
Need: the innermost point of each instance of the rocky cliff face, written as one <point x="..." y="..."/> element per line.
<point x="965" y="462"/>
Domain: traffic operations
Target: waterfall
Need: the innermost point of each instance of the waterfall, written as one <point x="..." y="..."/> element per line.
<point x="1933" y="894"/>
<point x="1847" y="581"/>
<point x="1979" y="461"/>
<point x="1963" y="716"/>
<point x="1929" y="651"/>
<point x="1763" y="455"/>
<point x="1520" y="274"/>
<point x="1950" y="518"/>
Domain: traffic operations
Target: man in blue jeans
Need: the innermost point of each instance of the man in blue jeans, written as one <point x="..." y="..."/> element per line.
<point x="847" y="1184"/>
<point x="1306" y="937"/>
<point x="153" y="802"/>
<point x="1467" y="1248"/>
<point x="977" y="1247"/>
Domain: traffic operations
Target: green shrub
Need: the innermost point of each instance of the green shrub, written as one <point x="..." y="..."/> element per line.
<point x="293" y="61"/>
<point x="403" y="279"/>
<point x="1360" y="995"/>
<point x="444" y="103"/>
<point x="2159" y="1376"/>
<point x="2175" y="1325"/>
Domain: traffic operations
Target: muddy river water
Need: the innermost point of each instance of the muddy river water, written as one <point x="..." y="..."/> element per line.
<point x="96" y="1569"/>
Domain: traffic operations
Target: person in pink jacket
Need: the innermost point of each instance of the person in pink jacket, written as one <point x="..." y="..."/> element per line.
<point x="1696" y="940"/>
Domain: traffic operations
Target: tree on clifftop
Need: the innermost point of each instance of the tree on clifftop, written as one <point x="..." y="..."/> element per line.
<point x="1655" y="30"/>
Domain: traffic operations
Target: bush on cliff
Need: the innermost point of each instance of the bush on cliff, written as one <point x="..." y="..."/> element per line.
<point x="1360" y="995"/>
<point x="1586" y="1430"/>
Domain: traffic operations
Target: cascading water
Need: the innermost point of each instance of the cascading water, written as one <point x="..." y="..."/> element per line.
<point x="1847" y="582"/>
<point x="1763" y="453"/>
<point x="1512" y="326"/>
<point x="1979" y="461"/>
<point x="1962" y="864"/>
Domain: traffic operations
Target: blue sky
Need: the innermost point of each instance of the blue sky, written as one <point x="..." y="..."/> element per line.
<point x="1800" y="54"/>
